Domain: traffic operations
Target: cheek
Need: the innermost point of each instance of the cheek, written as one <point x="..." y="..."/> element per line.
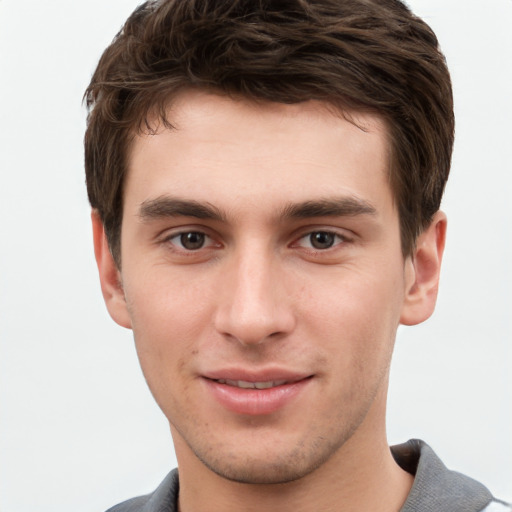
<point x="358" y="338"/>
<point x="167" y="303"/>
<point x="354" y="316"/>
<point x="168" y="318"/>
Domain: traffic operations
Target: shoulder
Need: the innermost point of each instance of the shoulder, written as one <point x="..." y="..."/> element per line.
<point x="163" y="498"/>
<point x="132" y="505"/>
<point x="436" y="488"/>
<point x="498" y="506"/>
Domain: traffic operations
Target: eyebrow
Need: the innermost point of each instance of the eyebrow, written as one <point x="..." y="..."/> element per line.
<point x="332" y="207"/>
<point x="166" y="206"/>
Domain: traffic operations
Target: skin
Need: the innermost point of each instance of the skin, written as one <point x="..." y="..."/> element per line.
<point x="224" y="269"/>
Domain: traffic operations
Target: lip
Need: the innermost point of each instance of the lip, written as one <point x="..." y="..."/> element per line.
<point x="255" y="402"/>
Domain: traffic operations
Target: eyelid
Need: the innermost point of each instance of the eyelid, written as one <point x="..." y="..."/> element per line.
<point x="309" y="246"/>
<point x="343" y="234"/>
<point x="168" y="235"/>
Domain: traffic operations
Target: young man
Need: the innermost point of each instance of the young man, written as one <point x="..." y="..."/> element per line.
<point x="265" y="178"/>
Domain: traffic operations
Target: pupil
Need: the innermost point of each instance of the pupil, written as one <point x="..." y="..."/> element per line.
<point x="322" y="240"/>
<point x="192" y="241"/>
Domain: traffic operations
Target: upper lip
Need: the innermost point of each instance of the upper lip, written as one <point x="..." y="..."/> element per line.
<point x="267" y="375"/>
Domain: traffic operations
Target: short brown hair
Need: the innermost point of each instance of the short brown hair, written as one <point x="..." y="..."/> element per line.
<point x="355" y="54"/>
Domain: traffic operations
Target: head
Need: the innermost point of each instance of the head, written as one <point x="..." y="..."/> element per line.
<point x="356" y="55"/>
<point x="265" y="178"/>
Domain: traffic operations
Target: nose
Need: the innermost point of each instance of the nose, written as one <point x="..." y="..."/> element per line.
<point x="254" y="305"/>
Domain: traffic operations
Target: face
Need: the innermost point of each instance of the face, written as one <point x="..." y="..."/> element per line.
<point x="263" y="279"/>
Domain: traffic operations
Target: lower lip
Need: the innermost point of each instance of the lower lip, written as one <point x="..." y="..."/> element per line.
<point x="255" y="402"/>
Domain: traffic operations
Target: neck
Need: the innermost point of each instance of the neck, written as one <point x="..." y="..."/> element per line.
<point x="361" y="475"/>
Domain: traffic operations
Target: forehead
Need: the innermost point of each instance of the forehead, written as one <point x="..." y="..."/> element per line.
<point x="237" y="152"/>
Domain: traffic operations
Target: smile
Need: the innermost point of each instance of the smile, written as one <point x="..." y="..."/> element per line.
<point x="252" y="385"/>
<point x="257" y="397"/>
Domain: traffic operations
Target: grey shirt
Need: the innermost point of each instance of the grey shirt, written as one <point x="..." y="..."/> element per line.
<point x="435" y="488"/>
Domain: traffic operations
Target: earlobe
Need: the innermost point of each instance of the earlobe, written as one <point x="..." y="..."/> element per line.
<point x="110" y="276"/>
<point x="422" y="272"/>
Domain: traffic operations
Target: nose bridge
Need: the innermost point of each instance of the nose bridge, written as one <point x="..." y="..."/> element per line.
<point x="253" y="306"/>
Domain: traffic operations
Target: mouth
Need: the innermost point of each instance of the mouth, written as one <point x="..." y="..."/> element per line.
<point x="243" y="384"/>
<point x="258" y="396"/>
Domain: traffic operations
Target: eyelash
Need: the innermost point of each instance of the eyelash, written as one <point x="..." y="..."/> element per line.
<point x="337" y="240"/>
<point x="169" y="239"/>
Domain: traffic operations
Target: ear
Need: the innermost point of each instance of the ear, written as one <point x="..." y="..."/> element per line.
<point x="422" y="271"/>
<point x="110" y="276"/>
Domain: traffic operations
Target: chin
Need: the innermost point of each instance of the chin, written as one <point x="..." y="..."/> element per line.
<point x="261" y="473"/>
<point x="272" y="468"/>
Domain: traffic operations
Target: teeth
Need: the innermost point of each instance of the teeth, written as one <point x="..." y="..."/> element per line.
<point x="264" y="385"/>
<point x="252" y="385"/>
<point x="243" y="384"/>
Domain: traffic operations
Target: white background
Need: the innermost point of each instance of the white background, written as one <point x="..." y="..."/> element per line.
<point x="78" y="429"/>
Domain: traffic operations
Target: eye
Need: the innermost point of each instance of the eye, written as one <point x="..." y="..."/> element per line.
<point x="191" y="240"/>
<point x="320" y="240"/>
